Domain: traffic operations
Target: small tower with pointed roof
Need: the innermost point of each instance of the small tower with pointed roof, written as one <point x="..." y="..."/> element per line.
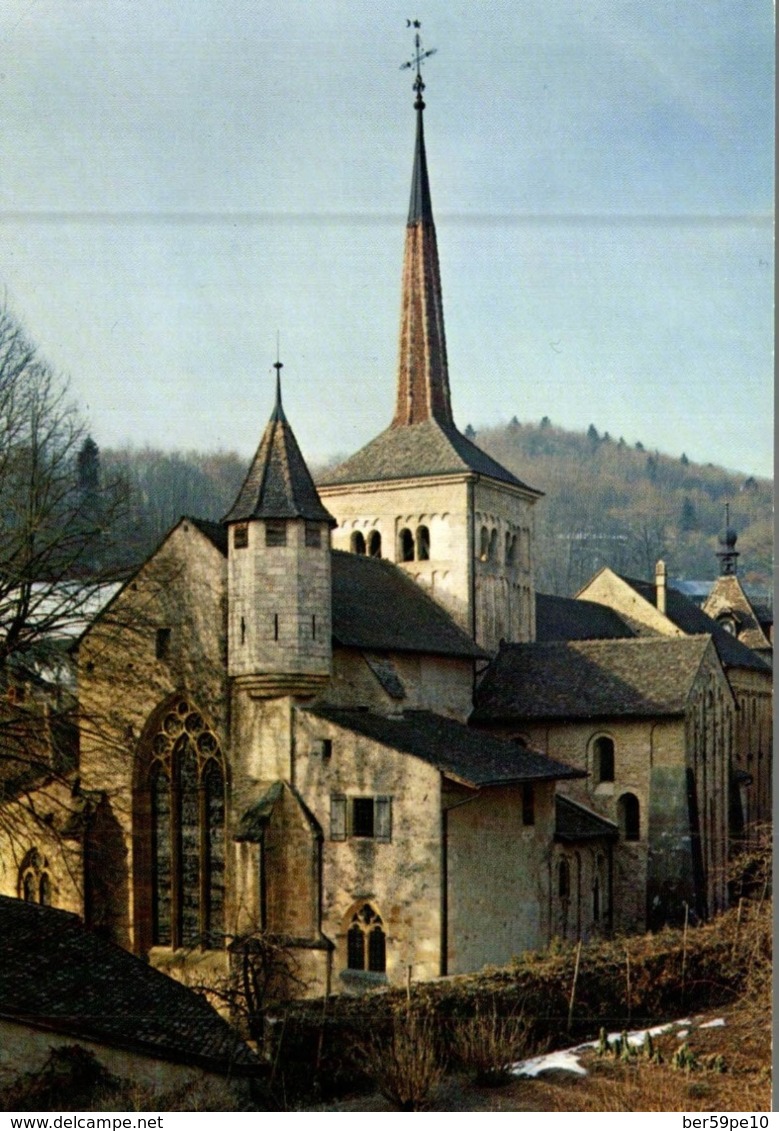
<point x="421" y="493"/>
<point x="279" y="585"/>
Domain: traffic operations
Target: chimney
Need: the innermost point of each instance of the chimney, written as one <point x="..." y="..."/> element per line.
<point x="661" y="585"/>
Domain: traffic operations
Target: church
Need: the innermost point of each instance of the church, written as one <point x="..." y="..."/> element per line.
<point x="286" y="728"/>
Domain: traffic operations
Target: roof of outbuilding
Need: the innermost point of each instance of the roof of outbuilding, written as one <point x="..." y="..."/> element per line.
<point x="378" y="607"/>
<point x="459" y="751"/>
<point x="691" y="619"/>
<point x="56" y="975"/>
<point x="584" y="679"/>
<point x="418" y="451"/>
<point x="575" y="822"/>
<point x="279" y="484"/>
<point x="565" y="618"/>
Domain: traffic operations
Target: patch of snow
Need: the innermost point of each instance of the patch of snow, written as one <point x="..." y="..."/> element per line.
<point x="566" y="1059"/>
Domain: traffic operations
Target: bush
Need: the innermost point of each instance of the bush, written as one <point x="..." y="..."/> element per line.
<point x="406" y="1067"/>
<point x="487" y="1045"/>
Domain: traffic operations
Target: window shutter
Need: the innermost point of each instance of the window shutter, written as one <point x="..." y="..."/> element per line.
<point x="337" y="817"/>
<point x="383" y="819"/>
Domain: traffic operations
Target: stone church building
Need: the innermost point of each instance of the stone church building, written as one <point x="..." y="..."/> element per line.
<point x="278" y="731"/>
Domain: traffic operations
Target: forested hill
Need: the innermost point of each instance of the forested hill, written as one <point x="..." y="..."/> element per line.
<point x="605" y="503"/>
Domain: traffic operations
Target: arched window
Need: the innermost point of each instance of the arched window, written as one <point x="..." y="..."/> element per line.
<point x="493" y="550"/>
<point x="357" y="545"/>
<point x="374" y="544"/>
<point x="34" y="883"/>
<point x="405" y="545"/>
<point x="629" y="816"/>
<point x="423" y="544"/>
<point x="603" y="759"/>
<point x="511" y="549"/>
<point x="185" y="786"/>
<point x="366" y="943"/>
<point x="564" y="879"/>
<point x="484" y="544"/>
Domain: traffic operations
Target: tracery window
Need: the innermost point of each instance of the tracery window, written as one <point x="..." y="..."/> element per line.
<point x="34" y="884"/>
<point x="186" y="785"/>
<point x="366" y="942"/>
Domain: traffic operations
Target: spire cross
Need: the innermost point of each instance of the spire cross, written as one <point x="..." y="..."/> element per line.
<point x="416" y="61"/>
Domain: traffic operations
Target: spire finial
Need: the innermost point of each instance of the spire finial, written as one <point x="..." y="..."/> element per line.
<point x="278" y="366"/>
<point x="416" y="61"/>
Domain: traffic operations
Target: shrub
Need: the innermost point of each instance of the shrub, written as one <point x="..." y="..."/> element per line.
<point x="406" y="1066"/>
<point x="488" y="1045"/>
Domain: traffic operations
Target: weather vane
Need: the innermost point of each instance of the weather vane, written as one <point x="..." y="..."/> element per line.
<point x="416" y="61"/>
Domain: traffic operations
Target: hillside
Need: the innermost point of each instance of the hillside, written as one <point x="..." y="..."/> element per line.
<point x="605" y="503"/>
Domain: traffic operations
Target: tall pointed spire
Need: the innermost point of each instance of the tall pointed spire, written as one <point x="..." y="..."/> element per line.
<point x="423" y="373"/>
<point x="279" y="484"/>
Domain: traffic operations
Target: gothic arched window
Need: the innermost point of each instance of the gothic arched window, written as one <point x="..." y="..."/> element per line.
<point x="366" y="942"/>
<point x="185" y="787"/>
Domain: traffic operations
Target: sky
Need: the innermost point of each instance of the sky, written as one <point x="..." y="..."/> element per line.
<point x="181" y="182"/>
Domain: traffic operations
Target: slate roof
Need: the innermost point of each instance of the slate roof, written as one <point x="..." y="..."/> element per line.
<point x="574" y="822"/>
<point x="416" y="451"/>
<point x="565" y="618"/>
<point x="692" y="620"/>
<point x="587" y="679"/>
<point x="215" y="532"/>
<point x="56" y="975"/>
<point x="378" y="607"/>
<point x="459" y="751"/>
<point x="279" y="484"/>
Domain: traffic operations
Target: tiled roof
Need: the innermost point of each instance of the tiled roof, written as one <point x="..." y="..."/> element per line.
<point x="215" y="532"/>
<point x="565" y="618"/>
<point x="419" y="450"/>
<point x="692" y="620"/>
<point x="376" y="606"/>
<point x="279" y="484"/>
<point x="468" y="755"/>
<point x="585" y="679"/>
<point x="56" y="975"/>
<point x="575" y="822"/>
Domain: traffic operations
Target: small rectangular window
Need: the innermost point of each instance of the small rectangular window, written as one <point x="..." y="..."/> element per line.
<point x="162" y="644"/>
<point x="362" y="817"/>
<point x="275" y="532"/>
<point x="337" y="817"/>
<point x="313" y="535"/>
<point x="528" y="804"/>
<point x="241" y="536"/>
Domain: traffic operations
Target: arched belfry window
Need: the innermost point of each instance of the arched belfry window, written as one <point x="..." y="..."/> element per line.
<point x="366" y="942"/>
<point x="405" y="545"/>
<point x="185" y="790"/>
<point x="358" y="542"/>
<point x="374" y="544"/>
<point x="629" y="816"/>
<point x="423" y="544"/>
<point x="603" y="759"/>
<point x="34" y="883"/>
<point x="484" y="544"/>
